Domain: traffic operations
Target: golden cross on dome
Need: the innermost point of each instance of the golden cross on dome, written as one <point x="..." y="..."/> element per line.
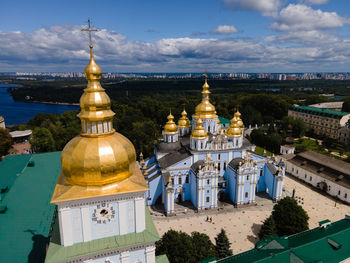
<point x="89" y="30"/>
<point x="206" y="74"/>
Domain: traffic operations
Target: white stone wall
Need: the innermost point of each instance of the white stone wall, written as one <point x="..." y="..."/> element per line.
<point x="68" y="223"/>
<point x="334" y="189"/>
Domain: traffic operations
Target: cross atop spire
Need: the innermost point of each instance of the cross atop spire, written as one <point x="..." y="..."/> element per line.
<point x="89" y="30"/>
<point x="206" y="74"/>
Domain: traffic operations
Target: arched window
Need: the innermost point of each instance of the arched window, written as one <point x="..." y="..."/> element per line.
<point x="246" y="194"/>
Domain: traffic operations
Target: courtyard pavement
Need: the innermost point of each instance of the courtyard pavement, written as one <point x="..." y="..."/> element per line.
<point x="242" y="224"/>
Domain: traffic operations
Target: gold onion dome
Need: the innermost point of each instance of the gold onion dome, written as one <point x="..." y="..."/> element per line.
<point x="184" y="121"/>
<point x="234" y="129"/>
<point x="170" y="127"/>
<point x="205" y="109"/>
<point x="239" y="120"/>
<point x="199" y="132"/>
<point x="99" y="155"/>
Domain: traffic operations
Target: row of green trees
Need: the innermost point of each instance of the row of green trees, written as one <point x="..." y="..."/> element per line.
<point x="142" y="120"/>
<point x="182" y="247"/>
<point x="5" y="142"/>
<point x="272" y="136"/>
<point x="287" y="218"/>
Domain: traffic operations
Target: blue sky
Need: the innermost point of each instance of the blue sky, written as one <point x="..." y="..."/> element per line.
<point x="177" y="36"/>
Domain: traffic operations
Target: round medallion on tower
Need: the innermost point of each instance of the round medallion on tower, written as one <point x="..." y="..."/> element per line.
<point x="99" y="155"/>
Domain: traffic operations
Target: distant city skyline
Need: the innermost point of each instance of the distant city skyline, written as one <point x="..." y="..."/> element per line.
<point x="177" y="36"/>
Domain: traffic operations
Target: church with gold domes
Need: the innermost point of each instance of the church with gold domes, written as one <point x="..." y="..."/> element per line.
<point x="100" y="193"/>
<point x="203" y="162"/>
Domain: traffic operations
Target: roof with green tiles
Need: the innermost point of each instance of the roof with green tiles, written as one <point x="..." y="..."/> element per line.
<point x="25" y="225"/>
<point x="59" y="253"/>
<point x="223" y="121"/>
<point x="329" y="243"/>
<point x="319" y="111"/>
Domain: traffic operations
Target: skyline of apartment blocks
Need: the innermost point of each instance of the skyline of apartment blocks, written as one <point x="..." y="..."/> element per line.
<point x="234" y="75"/>
<point x="321" y="121"/>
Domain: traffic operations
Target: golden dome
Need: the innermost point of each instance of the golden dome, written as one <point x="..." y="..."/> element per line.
<point x="239" y="120"/>
<point x="99" y="155"/>
<point x="92" y="71"/>
<point x="98" y="160"/>
<point x="199" y="132"/>
<point x="184" y="121"/>
<point x="170" y="126"/>
<point x="234" y="129"/>
<point x="205" y="109"/>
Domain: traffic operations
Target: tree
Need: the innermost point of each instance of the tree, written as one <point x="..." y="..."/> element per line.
<point x="268" y="228"/>
<point x="346" y="105"/>
<point x="290" y="218"/>
<point x="42" y="140"/>
<point x="177" y="246"/>
<point x="5" y="141"/>
<point x="203" y="247"/>
<point x="222" y="245"/>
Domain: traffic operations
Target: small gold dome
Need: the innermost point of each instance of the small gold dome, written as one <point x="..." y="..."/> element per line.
<point x="170" y="126"/>
<point x="92" y="70"/>
<point x="239" y="120"/>
<point x="199" y="132"/>
<point x="237" y="114"/>
<point x="234" y="129"/>
<point x="205" y="109"/>
<point x="184" y="121"/>
<point x="99" y="155"/>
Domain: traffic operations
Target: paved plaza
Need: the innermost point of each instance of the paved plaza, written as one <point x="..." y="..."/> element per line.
<point x="243" y="224"/>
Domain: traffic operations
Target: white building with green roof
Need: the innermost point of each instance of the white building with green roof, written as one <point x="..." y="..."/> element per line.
<point x="320" y="121"/>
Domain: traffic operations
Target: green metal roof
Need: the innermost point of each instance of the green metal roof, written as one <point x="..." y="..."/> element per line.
<point x="329" y="244"/>
<point x="319" y="111"/>
<point x="25" y="226"/>
<point x="224" y="120"/>
<point x="58" y="253"/>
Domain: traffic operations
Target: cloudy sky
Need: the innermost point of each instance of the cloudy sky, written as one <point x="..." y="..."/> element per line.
<point x="177" y="35"/>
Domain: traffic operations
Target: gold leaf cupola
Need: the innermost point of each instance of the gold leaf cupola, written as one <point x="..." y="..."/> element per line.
<point x="205" y="109"/>
<point x="184" y="121"/>
<point x="99" y="155"/>
<point x="234" y="130"/>
<point x="199" y="132"/>
<point x="170" y="127"/>
<point x="238" y="118"/>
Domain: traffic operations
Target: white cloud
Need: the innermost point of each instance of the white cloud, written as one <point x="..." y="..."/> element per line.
<point x="314" y="2"/>
<point x="225" y="30"/>
<point x="301" y="17"/>
<point x="65" y="48"/>
<point x="303" y="37"/>
<point x="265" y="7"/>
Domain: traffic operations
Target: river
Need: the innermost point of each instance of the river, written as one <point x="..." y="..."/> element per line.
<point x="18" y="112"/>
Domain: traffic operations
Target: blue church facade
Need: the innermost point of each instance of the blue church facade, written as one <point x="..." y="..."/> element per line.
<point x="204" y="161"/>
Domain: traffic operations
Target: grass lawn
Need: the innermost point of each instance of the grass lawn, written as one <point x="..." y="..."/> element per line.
<point x="260" y="150"/>
<point x="312" y="145"/>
